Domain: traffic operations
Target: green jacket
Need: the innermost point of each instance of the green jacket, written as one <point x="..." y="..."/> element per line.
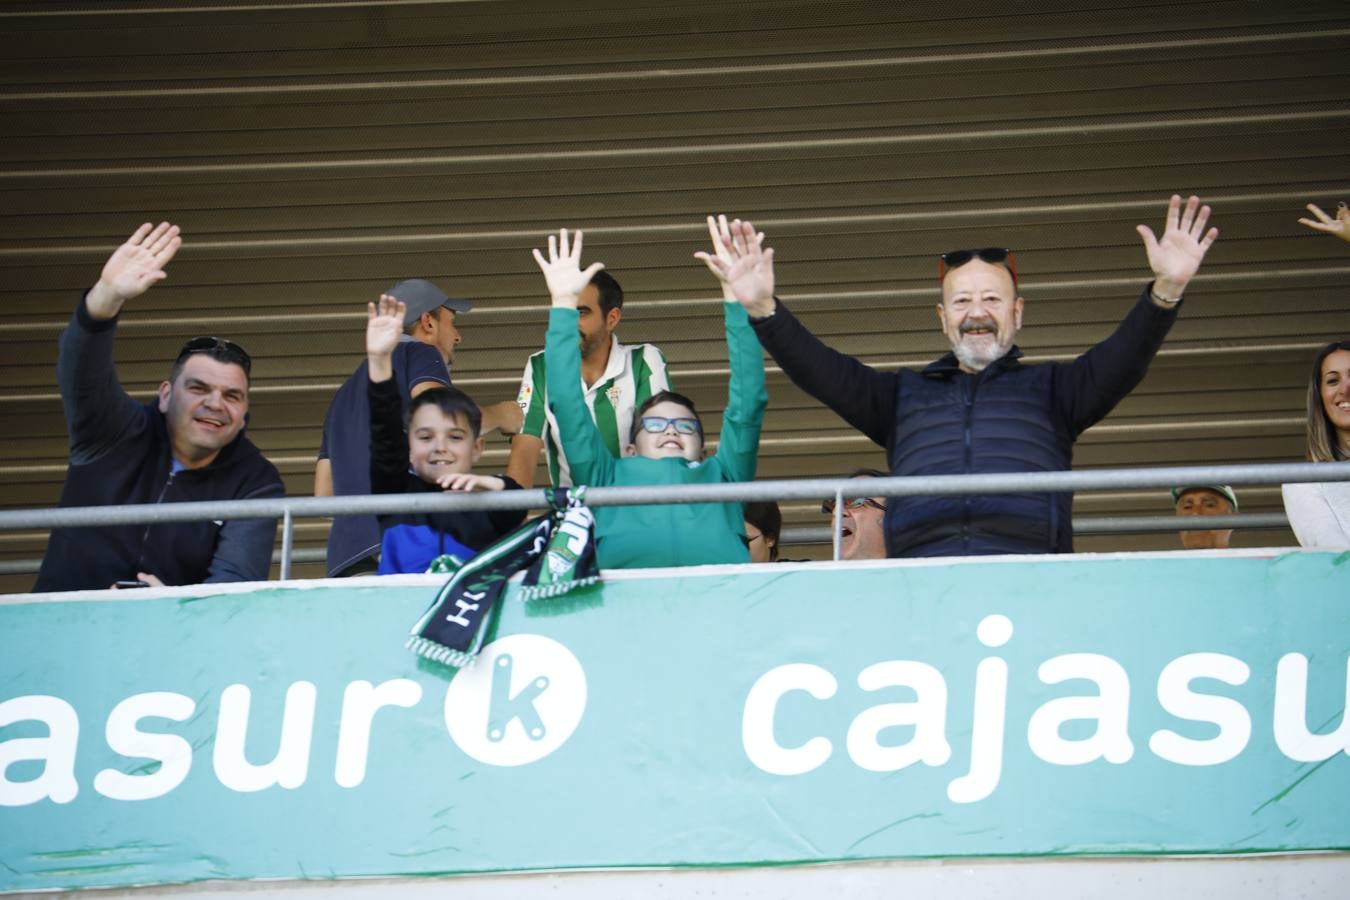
<point x="687" y="534"/>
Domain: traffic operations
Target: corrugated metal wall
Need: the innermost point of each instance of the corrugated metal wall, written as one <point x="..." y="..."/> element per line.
<point x="315" y="152"/>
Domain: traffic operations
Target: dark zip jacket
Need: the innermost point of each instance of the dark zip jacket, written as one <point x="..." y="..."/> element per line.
<point x="120" y="454"/>
<point x="1011" y="417"/>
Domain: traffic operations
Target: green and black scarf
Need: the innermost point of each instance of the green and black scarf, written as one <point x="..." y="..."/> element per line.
<point x="558" y="548"/>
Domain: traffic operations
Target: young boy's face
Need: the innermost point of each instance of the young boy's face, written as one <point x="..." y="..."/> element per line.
<point x="440" y="445"/>
<point x="670" y="440"/>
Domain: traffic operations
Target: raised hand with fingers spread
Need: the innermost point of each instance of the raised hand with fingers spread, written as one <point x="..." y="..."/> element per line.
<point x="133" y="268"/>
<point x="1339" y="226"/>
<point x="721" y="241"/>
<point x="1176" y="256"/>
<point x="743" y="264"/>
<point x="562" y="269"/>
<point x="384" y="327"/>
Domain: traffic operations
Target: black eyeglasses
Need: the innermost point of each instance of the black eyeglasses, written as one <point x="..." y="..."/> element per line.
<point x="658" y="424"/>
<point x="852" y="503"/>
<point x="220" y="349"/>
<point x="998" y="256"/>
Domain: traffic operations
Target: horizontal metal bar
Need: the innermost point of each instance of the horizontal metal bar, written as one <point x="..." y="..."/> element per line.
<point x="1140" y="524"/>
<point x="802" y="535"/>
<point x="804" y="489"/>
<point x="820" y="534"/>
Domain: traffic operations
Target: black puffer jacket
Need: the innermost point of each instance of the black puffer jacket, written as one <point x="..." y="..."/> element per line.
<point x="942" y="421"/>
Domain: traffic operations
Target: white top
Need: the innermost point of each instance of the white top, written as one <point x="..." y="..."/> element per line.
<point x="1319" y="513"/>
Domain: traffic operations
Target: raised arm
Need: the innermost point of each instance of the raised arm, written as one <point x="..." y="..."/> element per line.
<point x="388" y="442"/>
<point x="1095" y="382"/>
<point x="589" y="460"/>
<point x="862" y="396"/>
<point x="98" y="412"/>
<point x="133" y="269"/>
<point x="1176" y="256"/>
<point x="738" y="445"/>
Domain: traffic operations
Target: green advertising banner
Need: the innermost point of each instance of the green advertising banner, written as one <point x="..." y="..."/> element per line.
<point x="1164" y="703"/>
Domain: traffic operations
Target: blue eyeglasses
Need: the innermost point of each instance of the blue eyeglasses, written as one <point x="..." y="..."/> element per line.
<point x="658" y="424"/>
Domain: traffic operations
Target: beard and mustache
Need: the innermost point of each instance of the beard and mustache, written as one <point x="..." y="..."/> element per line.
<point x="978" y="356"/>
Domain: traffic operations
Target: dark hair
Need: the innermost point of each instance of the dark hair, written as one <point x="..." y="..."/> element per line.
<point x="765" y="515"/>
<point x="1323" y="445"/>
<point x="218" y="349"/>
<point x="661" y="397"/>
<point x="867" y="473"/>
<point x="452" y="402"/>
<point x="611" y="295"/>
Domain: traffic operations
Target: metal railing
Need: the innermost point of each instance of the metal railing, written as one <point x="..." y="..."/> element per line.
<point x="287" y="509"/>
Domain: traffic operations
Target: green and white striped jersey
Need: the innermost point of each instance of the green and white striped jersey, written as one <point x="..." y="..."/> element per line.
<point x="633" y="375"/>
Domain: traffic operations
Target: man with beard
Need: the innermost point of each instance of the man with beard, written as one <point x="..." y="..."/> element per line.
<point x="979" y="409"/>
<point x="187" y="444"/>
<point x="615" y="380"/>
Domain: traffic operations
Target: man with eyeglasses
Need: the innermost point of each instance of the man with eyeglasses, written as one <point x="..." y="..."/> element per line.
<point x="186" y="445"/>
<point x="979" y="408"/>
<point x="862" y="534"/>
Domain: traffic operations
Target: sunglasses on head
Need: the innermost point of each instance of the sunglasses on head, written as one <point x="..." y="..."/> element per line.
<point x="998" y="256"/>
<point x="658" y="424"/>
<point x="852" y="503"/>
<point x="220" y="349"/>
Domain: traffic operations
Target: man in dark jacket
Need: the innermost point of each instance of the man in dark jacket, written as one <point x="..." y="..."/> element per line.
<point x="187" y="445"/>
<point x="979" y="409"/>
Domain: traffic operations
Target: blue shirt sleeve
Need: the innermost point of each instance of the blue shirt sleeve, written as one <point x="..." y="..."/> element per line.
<point x="420" y="362"/>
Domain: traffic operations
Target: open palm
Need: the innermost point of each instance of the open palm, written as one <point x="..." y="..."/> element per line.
<point x="1176" y="256"/>
<point x="384" y="326"/>
<point x="742" y="262"/>
<point x="140" y="262"/>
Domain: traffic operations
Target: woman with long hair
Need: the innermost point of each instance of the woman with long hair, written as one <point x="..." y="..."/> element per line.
<point x="1319" y="512"/>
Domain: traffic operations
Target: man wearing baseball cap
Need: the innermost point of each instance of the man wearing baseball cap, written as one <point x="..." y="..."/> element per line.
<point x="421" y="361"/>
<point x="1205" y="500"/>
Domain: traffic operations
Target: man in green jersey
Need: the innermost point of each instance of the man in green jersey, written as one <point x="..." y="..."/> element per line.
<point x="615" y="379"/>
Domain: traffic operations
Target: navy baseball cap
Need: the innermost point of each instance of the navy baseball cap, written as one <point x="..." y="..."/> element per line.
<point x="421" y="296"/>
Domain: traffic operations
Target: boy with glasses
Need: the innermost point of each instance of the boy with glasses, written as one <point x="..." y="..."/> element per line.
<point x="186" y="445"/>
<point x="665" y="443"/>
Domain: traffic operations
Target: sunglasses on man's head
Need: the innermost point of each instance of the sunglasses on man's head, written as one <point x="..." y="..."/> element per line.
<point x="997" y="256"/>
<point x="852" y="503"/>
<point x="219" y="348"/>
<point x="657" y="424"/>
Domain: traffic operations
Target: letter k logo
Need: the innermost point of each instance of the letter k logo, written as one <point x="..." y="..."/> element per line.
<point x="520" y="700"/>
<point x="504" y="708"/>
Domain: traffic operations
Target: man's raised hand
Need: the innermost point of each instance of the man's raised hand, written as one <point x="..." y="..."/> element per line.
<point x="743" y="264"/>
<point x="1176" y="256"/>
<point x="133" y="268"/>
<point x="562" y="269"/>
<point x="721" y="240"/>
<point x="1339" y="226"/>
<point x="384" y="327"/>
